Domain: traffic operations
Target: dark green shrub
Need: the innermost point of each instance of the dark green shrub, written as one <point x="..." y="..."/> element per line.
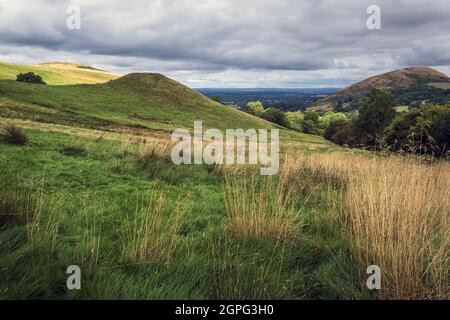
<point x="13" y="135"/>
<point x="425" y="130"/>
<point x="30" y="77"/>
<point x="309" y="127"/>
<point x="341" y="132"/>
<point x="398" y="134"/>
<point x="374" y="116"/>
<point x="276" y="116"/>
<point x="439" y="129"/>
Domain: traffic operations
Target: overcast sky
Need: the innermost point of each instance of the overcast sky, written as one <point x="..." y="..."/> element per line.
<point x="232" y="43"/>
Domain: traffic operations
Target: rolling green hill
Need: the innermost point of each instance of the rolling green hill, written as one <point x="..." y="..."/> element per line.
<point x="149" y="101"/>
<point x="137" y="103"/>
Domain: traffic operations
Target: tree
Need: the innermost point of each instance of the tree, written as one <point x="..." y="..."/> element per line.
<point x="338" y="107"/>
<point x="312" y="116"/>
<point x="276" y="116"/>
<point x="30" y="77"/>
<point x="341" y="132"/>
<point x="398" y="134"/>
<point x="374" y="116"/>
<point x="433" y="128"/>
<point x="294" y="119"/>
<point x="309" y="127"/>
<point x="331" y="116"/>
<point x="256" y="108"/>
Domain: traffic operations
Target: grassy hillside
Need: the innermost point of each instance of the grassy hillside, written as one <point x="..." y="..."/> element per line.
<point x="58" y="73"/>
<point x="407" y="85"/>
<point x="135" y="103"/>
<point x="155" y="103"/>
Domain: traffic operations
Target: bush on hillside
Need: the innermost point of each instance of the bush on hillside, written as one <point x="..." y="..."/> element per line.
<point x="295" y="119"/>
<point x="276" y="116"/>
<point x="13" y="135"/>
<point x="256" y="108"/>
<point x="398" y="134"/>
<point x="30" y="77"/>
<point x="341" y="132"/>
<point x="425" y="130"/>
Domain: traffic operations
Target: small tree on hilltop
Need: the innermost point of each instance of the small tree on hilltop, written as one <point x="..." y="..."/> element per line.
<point x="375" y="115"/>
<point x="30" y="77"/>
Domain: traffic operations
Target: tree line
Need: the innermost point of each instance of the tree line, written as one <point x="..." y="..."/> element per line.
<point x="376" y="125"/>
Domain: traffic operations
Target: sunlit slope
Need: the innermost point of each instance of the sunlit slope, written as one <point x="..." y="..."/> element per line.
<point x="138" y="100"/>
<point x="58" y="73"/>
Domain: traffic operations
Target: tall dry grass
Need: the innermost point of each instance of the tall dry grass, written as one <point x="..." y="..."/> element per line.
<point x="398" y="217"/>
<point x="396" y="214"/>
<point x="262" y="207"/>
<point x="151" y="235"/>
<point x="155" y="150"/>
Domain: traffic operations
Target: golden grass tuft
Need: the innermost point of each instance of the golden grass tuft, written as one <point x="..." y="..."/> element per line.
<point x="398" y="217"/>
<point x="155" y="150"/>
<point x="151" y="235"/>
<point x="396" y="214"/>
<point x="261" y="207"/>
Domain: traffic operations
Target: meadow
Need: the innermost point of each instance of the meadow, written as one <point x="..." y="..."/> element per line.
<point x="141" y="227"/>
<point x="86" y="179"/>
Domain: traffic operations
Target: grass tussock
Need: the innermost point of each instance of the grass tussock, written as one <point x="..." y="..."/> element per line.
<point x="398" y="217"/>
<point x="16" y="205"/>
<point x="151" y="235"/>
<point x="13" y="135"/>
<point x="261" y="207"/>
<point x="155" y="150"/>
<point x="396" y="214"/>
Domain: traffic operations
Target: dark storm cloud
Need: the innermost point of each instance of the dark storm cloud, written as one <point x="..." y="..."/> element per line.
<point x="325" y="39"/>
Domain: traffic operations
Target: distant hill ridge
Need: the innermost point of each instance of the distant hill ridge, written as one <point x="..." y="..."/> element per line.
<point x="397" y="82"/>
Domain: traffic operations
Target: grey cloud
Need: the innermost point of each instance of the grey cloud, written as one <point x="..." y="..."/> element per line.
<point x="316" y="38"/>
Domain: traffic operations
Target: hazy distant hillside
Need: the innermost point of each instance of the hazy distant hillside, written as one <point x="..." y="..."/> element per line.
<point x="58" y="73"/>
<point x="407" y="85"/>
<point x="287" y="99"/>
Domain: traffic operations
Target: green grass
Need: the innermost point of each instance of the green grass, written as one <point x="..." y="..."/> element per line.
<point x="88" y="192"/>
